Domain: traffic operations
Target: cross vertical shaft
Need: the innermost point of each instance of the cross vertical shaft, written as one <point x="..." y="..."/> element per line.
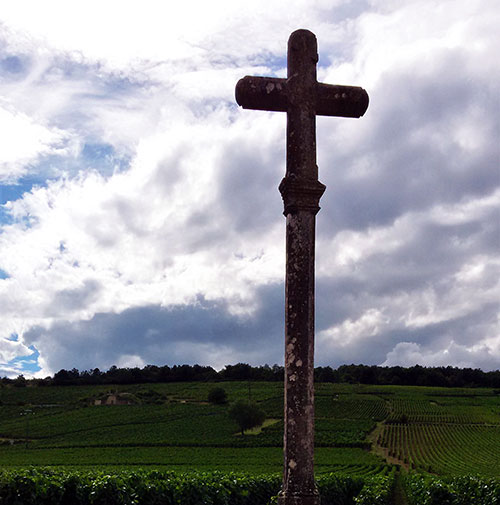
<point x="302" y="98"/>
<point x="301" y="192"/>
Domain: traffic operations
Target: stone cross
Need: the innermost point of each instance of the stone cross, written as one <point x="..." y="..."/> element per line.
<point x="302" y="97"/>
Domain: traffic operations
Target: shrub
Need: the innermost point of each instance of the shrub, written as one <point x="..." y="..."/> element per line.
<point x="247" y="415"/>
<point x="217" y="396"/>
<point x="376" y="491"/>
<point x="430" y="490"/>
<point x="43" y="486"/>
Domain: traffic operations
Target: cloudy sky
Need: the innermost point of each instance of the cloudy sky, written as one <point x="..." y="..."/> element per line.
<point x="140" y="221"/>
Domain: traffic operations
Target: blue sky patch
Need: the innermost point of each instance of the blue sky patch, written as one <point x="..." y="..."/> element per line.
<point x="12" y="192"/>
<point x="27" y="364"/>
<point x="97" y="151"/>
<point x="103" y="158"/>
<point x="97" y="156"/>
<point x="5" y="218"/>
<point x="276" y="62"/>
<point x="12" y="66"/>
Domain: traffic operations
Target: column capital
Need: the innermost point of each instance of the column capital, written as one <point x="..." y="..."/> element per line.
<point x="300" y="194"/>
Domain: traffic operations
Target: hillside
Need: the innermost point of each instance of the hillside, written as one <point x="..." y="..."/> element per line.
<point x="359" y="429"/>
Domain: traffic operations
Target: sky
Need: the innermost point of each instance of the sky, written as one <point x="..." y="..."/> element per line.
<point x="140" y="220"/>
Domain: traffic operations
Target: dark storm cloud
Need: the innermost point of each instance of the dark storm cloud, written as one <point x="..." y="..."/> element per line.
<point x="248" y="185"/>
<point x="199" y="197"/>
<point x="411" y="158"/>
<point x="430" y="253"/>
<point x="158" y="335"/>
<point x="432" y="338"/>
<point x="77" y="298"/>
<point x="429" y="258"/>
<point x="434" y="252"/>
<point x="408" y="146"/>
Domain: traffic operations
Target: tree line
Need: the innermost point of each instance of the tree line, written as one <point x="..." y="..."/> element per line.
<point x="353" y="374"/>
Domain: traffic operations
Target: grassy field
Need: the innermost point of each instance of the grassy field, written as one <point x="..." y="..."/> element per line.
<point x="359" y="429"/>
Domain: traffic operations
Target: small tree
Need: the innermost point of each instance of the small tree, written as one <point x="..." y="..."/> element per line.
<point x="247" y="415"/>
<point x="217" y="396"/>
<point x="20" y="381"/>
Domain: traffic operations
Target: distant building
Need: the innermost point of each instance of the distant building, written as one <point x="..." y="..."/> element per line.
<point x="116" y="399"/>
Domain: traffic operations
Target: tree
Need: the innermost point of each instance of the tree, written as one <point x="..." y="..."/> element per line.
<point x="217" y="396"/>
<point x="239" y="372"/>
<point x="66" y="377"/>
<point x="20" y="381"/>
<point x="247" y="415"/>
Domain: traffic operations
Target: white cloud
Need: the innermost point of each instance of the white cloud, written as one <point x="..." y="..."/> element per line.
<point x="23" y="142"/>
<point x="411" y="354"/>
<point x="164" y="217"/>
<point x="369" y="324"/>
<point x="130" y="361"/>
<point x="126" y="34"/>
<point x="184" y="204"/>
<point x="413" y="34"/>
<point x="10" y="349"/>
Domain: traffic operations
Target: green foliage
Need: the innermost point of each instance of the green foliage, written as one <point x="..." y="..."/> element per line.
<point x="336" y="489"/>
<point x="447" y="431"/>
<point x="61" y="487"/>
<point x="470" y="490"/>
<point x="48" y="487"/>
<point x="149" y="395"/>
<point x="247" y="415"/>
<point x="443" y="431"/>
<point x="343" y="432"/>
<point x="19" y="382"/>
<point x="246" y="459"/>
<point x="376" y="491"/>
<point x="447" y="449"/>
<point x="217" y="396"/>
<point x="350" y="406"/>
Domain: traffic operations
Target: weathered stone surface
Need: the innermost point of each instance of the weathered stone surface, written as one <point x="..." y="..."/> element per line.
<point x="302" y="98"/>
<point x="271" y="93"/>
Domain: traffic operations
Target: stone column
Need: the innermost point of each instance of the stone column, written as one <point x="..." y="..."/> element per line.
<point x="301" y="192"/>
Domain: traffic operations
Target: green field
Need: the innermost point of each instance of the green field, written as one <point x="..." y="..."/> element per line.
<point x="359" y="429"/>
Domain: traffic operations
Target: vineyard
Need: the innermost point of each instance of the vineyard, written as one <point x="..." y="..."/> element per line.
<point x="60" y="487"/>
<point x="362" y="432"/>
<point x="445" y="449"/>
<point x="444" y="434"/>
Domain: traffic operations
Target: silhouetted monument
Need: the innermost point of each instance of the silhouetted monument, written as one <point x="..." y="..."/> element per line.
<point x="302" y="97"/>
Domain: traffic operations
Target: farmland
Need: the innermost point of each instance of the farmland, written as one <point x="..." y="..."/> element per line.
<point x="172" y="425"/>
<point x="361" y="431"/>
<point x="444" y="432"/>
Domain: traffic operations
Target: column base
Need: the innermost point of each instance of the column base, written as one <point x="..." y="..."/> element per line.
<point x="298" y="499"/>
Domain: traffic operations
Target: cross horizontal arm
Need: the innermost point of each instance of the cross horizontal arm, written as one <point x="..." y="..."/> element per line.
<point x="270" y="93"/>
<point x="344" y="101"/>
<point x="262" y="93"/>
